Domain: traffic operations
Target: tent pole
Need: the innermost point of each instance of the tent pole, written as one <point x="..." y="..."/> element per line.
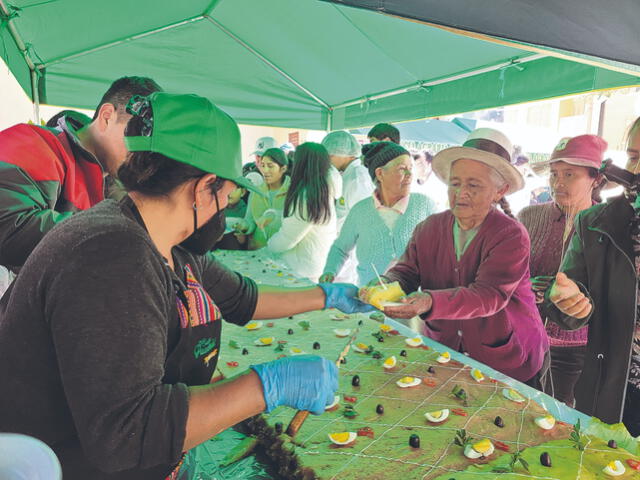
<point x="269" y="63"/>
<point x="4" y="9"/>
<point x="329" y="120"/>
<point x="36" y="97"/>
<point x="415" y="86"/>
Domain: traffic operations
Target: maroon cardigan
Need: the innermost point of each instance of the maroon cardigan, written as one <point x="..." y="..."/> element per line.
<point x="482" y="304"/>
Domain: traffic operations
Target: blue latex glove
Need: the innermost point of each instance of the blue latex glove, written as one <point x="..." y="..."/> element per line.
<point x="304" y="382"/>
<point x="344" y="297"/>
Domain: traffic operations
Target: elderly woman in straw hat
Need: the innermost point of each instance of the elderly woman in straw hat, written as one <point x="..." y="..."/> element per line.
<point x="472" y="264"/>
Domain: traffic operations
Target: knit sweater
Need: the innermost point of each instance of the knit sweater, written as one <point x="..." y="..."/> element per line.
<point x="546" y="225"/>
<point x="365" y="230"/>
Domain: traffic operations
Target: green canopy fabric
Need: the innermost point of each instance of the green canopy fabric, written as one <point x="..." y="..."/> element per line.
<point x="289" y="63"/>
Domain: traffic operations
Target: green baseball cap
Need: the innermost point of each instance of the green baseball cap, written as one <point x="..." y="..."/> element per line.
<point x="192" y="130"/>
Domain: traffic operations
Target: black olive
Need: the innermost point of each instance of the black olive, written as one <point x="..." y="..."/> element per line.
<point x="316" y="345"/>
<point x="381" y="339"/>
<point x="403" y="353"/>
<point x="264" y="271"/>
<point x="290" y="331"/>
<point x="278" y="426"/>
<point x="431" y="370"/>
<point x="379" y="409"/>
<point x="499" y="422"/>
<point x="245" y="351"/>
<point x="359" y="322"/>
<point x="343" y="360"/>
<point x="545" y="459"/>
<point x="414" y="441"/>
<point x="355" y="381"/>
<point x="612" y="444"/>
<point x="291" y="317"/>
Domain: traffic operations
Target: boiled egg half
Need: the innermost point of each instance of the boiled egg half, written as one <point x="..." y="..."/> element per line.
<point x="444" y="357"/>
<point x="253" y="325"/>
<point x="480" y="449"/>
<point x="406" y="382"/>
<point x="511" y="394"/>
<point x="414" y="342"/>
<point x="342" y="332"/>
<point x="389" y="362"/>
<point x="360" y="347"/>
<point x="264" y="341"/>
<point x="342" y="438"/>
<point x="437" y="417"/>
<point x="477" y="375"/>
<point x="547" y="422"/>
<point x="334" y="404"/>
<point x="614" y="469"/>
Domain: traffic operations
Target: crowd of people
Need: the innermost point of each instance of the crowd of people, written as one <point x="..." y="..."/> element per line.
<point x="111" y="330"/>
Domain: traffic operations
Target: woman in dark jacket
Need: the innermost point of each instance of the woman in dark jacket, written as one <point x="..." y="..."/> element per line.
<point x="599" y="288"/>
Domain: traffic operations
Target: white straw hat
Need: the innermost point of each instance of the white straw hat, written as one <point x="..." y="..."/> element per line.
<point x="485" y="145"/>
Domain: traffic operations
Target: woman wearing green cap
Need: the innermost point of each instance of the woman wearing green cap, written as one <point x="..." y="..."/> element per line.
<point x="110" y="335"/>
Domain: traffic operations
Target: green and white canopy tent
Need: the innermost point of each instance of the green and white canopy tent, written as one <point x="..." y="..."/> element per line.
<point x="291" y="63"/>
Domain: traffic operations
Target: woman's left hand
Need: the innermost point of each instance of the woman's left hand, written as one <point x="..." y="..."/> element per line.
<point x="416" y="303"/>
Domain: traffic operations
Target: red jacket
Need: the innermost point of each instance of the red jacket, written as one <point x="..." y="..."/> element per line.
<point x="42" y="182"/>
<point x="482" y="304"/>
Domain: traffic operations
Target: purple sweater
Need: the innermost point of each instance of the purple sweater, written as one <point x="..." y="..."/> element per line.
<point x="482" y="304"/>
<point x="546" y="224"/>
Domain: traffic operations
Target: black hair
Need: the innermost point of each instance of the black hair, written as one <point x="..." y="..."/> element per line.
<point x="277" y="155"/>
<point x="121" y="91"/>
<point x="153" y="174"/>
<point x="384" y="130"/>
<point x="77" y="119"/>
<point x="309" y="187"/>
<point x="248" y="168"/>
<point x="597" y="190"/>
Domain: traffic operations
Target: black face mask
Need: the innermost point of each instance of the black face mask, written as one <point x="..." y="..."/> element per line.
<point x="204" y="238"/>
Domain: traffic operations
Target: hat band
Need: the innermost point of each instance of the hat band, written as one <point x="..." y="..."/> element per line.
<point x="488" y="146"/>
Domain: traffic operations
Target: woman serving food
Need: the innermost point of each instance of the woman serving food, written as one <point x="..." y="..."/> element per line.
<point x="110" y="336"/>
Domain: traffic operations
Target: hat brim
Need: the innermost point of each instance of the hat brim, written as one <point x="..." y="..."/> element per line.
<point x="442" y="165"/>
<point x="243" y="182"/>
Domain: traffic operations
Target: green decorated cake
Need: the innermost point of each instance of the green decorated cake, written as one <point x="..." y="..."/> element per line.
<point x="408" y="408"/>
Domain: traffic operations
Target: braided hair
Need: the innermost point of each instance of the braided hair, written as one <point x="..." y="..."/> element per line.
<point x="506" y="208"/>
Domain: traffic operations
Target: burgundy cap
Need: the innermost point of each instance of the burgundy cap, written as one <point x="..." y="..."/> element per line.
<point x="583" y="150"/>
